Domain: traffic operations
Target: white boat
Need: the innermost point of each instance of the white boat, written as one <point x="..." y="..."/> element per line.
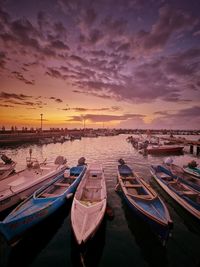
<point x="22" y="184"/>
<point x="89" y="204"/>
<point x="193" y="171"/>
<point x="6" y="167"/>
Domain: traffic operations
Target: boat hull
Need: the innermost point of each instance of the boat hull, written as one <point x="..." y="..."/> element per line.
<point x="162" y="230"/>
<point x="164" y="150"/>
<point x="89" y="204"/>
<point x="13" y="198"/>
<point x="144" y="202"/>
<point x="182" y="202"/>
<point x="36" y="208"/>
<point x="14" y="229"/>
<point x="82" y="238"/>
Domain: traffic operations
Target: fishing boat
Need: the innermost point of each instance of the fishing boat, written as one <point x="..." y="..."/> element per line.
<point x="179" y="173"/>
<point x="6" y="167"/>
<point x="41" y="204"/>
<point x="22" y="184"/>
<point x="89" y="204"/>
<point x="164" y="149"/>
<point x="144" y="201"/>
<point x="184" y="195"/>
<point x="192" y="169"/>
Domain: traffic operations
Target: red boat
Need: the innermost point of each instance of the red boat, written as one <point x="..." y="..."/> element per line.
<point x="164" y="149"/>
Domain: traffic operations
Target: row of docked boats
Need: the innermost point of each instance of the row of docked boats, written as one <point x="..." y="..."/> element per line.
<point x="86" y="185"/>
<point x="88" y="208"/>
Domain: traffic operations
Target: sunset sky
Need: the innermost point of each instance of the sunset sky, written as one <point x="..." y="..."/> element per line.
<point x="110" y="63"/>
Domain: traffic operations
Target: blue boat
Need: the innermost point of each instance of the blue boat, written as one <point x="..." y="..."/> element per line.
<point x="41" y="204"/>
<point x="144" y="202"/>
<point x="180" y="174"/>
<point x="183" y="194"/>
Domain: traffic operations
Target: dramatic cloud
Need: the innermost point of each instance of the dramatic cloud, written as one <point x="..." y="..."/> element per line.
<point x="57" y="100"/>
<point x="170" y="20"/>
<point x="5" y="96"/>
<point x="14" y="100"/>
<point x="3" y="60"/>
<point x="132" y="54"/>
<point x="105" y="118"/>
<point x="20" y="77"/>
<point x="183" y="119"/>
<point x="80" y="109"/>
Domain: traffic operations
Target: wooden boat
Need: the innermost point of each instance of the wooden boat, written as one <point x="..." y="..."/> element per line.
<point x="164" y="149"/>
<point x="183" y="194"/>
<point x="22" y="184"/>
<point x="144" y="202"/>
<point x="6" y="167"/>
<point x="41" y="204"/>
<point x="179" y="173"/>
<point x="89" y="204"/>
<point x="193" y="171"/>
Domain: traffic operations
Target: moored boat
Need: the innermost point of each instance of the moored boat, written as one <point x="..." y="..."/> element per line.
<point x="179" y="173"/>
<point x="193" y="171"/>
<point x="164" y="149"/>
<point x="41" y="204"/>
<point x="22" y="184"/>
<point x="184" y="195"/>
<point x="89" y="204"/>
<point x="144" y="202"/>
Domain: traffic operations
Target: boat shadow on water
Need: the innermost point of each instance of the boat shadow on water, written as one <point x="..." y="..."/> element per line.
<point x="151" y="248"/>
<point x="91" y="252"/>
<point x="34" y="241"/>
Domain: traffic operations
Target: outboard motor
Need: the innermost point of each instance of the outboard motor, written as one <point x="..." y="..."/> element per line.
<point x="192" y="164"/>
<point x="60" y="160"/>
<point x="6" y="159"/>
<point x="121" y="161"/>
<point x="81" y="161"/>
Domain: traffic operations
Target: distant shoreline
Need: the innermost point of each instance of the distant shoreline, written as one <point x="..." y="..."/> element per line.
<point x="20" y="137"/>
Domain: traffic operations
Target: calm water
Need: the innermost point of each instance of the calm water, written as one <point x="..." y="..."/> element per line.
<point x="123" y="241"/>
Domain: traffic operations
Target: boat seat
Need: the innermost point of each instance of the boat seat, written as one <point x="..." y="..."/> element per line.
<point x="128" y="178"/>
<point x="92" y="187"/>
<point x="139" y="196"/>
<point x="133" y="185"/>
<point x="48" y="195"/>
<point x="61" y="184"/>
<point x="190" y="193"/>
<point x="172" y="182"/>
<point x="145" y="196"/>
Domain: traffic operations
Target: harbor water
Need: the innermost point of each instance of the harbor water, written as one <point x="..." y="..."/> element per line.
<point x="122" y="241"/>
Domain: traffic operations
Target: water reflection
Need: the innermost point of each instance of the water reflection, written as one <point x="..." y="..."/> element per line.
<point x="182" y="249"/>
<point x="151" y="249"/>
<point x="25" y="251"/>
<point x="90" y="254"/>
